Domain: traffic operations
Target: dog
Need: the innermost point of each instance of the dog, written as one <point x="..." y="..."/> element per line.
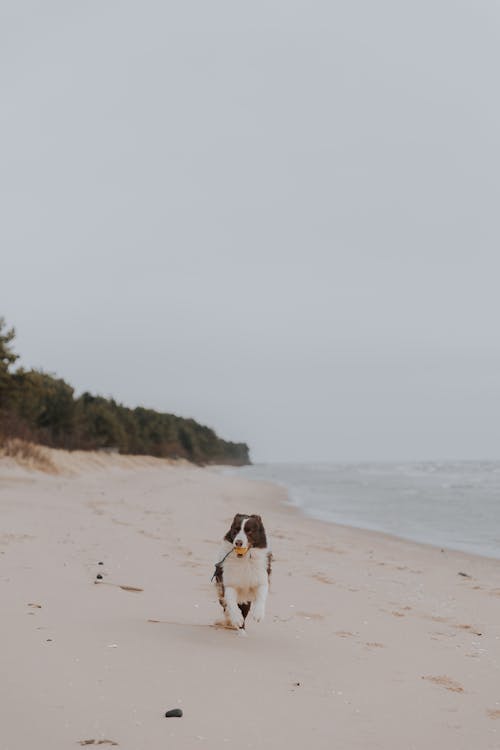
<point x="243" y="571"/>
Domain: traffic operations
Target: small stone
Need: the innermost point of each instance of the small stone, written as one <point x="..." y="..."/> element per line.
<point x="100" y="563"/>
<point x="174" y="712"/>
<point x="99" y="577"/>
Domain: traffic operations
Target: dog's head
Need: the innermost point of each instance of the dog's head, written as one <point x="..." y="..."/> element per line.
<point x="247" y="531"/>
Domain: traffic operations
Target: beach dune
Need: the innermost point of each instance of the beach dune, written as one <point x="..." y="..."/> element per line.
<point x="368" y="642"/>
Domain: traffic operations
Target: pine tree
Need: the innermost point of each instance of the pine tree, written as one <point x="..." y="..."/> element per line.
<point x="7" y="358"/>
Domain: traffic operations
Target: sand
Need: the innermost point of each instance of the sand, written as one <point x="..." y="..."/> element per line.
<point x="368" y="642"/>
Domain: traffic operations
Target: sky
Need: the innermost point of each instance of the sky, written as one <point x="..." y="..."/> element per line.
<point x="280" y="218"/>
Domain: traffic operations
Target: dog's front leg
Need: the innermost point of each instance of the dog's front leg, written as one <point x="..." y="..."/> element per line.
<point x="235" y="616"/>
<point x="259" y="608"/>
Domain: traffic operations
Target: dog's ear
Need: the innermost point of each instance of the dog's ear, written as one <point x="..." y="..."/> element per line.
<point x="235" y="527"/>
<point x="258" y="532"/>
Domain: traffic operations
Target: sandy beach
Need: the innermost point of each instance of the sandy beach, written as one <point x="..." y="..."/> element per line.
<point x="368" y="642"/>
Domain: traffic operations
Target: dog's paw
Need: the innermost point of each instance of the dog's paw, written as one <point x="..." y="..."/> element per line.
<point x="237" y="620"/>
<point x="258" y="613"/>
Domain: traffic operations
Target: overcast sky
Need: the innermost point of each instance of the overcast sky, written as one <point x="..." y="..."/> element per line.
<point x="280" y="218"/>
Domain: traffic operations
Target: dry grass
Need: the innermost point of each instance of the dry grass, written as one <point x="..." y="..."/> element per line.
<point x="28" y="454"/>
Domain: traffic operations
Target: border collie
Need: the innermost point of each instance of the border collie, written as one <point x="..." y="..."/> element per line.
<point x="243" y="571"/>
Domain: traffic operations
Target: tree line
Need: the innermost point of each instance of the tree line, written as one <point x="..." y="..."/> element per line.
<point x="42" y="408"/>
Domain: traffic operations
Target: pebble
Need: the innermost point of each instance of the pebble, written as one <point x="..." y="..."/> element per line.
<point x="99" y="576"/>
<point x="174" y="712"/>
<point x="100" y="563"/>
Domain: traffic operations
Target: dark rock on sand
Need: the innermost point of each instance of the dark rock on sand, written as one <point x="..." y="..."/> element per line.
<point x="174" y="712"/>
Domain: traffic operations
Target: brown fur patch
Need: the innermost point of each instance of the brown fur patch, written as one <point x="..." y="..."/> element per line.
<point x="254" y="529"/>
<point x="235" y="527"/>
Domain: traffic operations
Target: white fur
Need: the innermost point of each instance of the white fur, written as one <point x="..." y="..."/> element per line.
<point x="241" y="536"/>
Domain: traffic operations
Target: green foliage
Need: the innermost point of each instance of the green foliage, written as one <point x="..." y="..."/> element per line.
<point x="7" y="358"/>
<point x="40" y="407"/>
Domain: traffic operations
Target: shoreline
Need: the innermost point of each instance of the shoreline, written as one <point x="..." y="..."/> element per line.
<point x="316" y="516"/>
<point x="373" y="535"/>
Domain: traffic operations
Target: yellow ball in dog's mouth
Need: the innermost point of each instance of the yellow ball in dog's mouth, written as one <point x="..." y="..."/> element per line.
<point x="241" y="551"/>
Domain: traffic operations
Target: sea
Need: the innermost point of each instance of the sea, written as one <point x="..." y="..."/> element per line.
<point x="451" y="504"/>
